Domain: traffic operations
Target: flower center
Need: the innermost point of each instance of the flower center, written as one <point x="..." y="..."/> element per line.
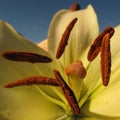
<point x="75" y="71"/>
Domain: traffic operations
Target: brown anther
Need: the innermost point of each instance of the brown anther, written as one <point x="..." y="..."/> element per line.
<point x="76" y="68"/>
<point x="68" y="93"/>
<point x="75" y="6"/>
<point x="96" y="46"/>
<point x="26" y="57"/>
<point x="64" y="40"/>
<point x="33" y="80"/>
<point x="102" y="44"/>
<point x="106" y="59"/>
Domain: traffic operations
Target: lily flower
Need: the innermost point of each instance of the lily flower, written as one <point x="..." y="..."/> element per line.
<point x="65" y="81"/>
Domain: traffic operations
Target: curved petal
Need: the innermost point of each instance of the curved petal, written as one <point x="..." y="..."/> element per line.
<point x="105" y="104"/>
<point x="15" y="102"/>
<point x="81" y="36"/>
<point x="11" y="40"/>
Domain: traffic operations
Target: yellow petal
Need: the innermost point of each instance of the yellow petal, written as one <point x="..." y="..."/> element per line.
<point x="105" y="103"/>
<point x="23" y="103"/>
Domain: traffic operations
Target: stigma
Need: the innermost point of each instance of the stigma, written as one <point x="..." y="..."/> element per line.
<point x="76" y="68"/>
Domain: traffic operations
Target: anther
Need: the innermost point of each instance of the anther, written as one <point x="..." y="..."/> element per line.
<point x="68" y="93"/>
<point x="33" y="80"/>
<point x="75" y="6"/>
<point x="102" y="44"/>
<point x="96" y="46"/>
<point x="26" y="57"/>
<point x="106" y="59"/>
<point x="76" y="68"/>
<point x="64" y="40"/>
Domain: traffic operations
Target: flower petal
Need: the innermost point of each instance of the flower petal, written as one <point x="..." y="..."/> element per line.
<point x="11" y="40"/>
<point x="15" y="102"/>
<point x="81" y="36"/>
<point x="105" y="104"/>
<point x="26" y="104"/>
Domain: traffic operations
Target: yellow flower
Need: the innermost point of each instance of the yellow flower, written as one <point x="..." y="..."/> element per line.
<point x="78" y="92"/>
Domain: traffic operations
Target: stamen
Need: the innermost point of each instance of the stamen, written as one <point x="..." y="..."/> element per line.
<point x="106" y="59"/>
<point x="68" y="93"/>
<point x="26" y="57"/>
<point x="34" y="80"/>
<point x="76" y="68"/>
<point x="96" y="46"/>
<point x="75" y="6"/>
<point x="64" y="40"/>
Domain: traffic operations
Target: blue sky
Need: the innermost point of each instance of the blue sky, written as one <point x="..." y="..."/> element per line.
<point x="32" y="17"/>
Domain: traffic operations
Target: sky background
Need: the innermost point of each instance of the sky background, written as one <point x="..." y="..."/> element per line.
<point x="32" y="17"/>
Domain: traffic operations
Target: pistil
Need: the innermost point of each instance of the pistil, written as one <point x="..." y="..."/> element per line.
<point x="76" y="68"/>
